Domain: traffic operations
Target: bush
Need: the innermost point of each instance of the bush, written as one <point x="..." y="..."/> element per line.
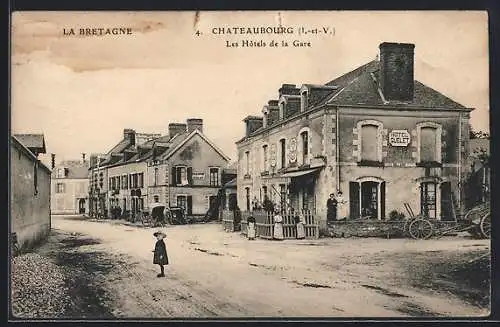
<point x="395" y="215"/>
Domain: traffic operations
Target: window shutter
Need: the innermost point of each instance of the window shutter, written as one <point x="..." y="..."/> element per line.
<point x="382" y="200"/>
<point x="354" y="200"/>
<point x="174" y="176"/>
<point x="190" y="175"/>
<point x="189" y="204"/>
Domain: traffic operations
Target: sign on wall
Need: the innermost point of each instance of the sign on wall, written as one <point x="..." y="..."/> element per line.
<point x="292" y="149"/>
<point x="198" y="175"/>
<point x="399" y="137"/>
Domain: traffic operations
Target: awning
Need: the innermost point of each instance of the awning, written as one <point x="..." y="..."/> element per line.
<point x="300" y="172"/>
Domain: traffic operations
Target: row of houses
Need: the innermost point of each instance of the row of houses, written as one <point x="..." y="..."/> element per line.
<point x="182" y="168"/>
<point x="375" y="134"/>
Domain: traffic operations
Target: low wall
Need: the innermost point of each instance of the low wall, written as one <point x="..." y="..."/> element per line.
<point x="374" y="228"/>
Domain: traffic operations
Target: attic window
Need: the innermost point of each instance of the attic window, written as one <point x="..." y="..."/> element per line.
<point x="281" y="106"/>
<point x="303" y="101"/>
<point x="61" y="173"/>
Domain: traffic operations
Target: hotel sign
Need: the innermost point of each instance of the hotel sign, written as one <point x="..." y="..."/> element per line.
<point x="198" y="175"/>
<point x="399" y="137"/>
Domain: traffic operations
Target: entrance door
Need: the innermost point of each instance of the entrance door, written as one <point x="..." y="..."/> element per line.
<point x="446" y="202"/>
<point x="81" y="206"/>
<point x="369" y="199"/>
<point x="212" y="205"/>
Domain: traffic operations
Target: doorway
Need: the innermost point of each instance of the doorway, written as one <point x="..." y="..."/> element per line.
<point x="369" y="199"/>
<point x="81" y="206"/>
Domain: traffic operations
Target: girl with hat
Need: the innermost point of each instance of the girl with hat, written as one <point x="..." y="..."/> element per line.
<point x="160" y="253"/>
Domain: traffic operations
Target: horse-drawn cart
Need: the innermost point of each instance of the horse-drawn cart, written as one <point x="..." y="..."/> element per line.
<point x="477" y="221"/>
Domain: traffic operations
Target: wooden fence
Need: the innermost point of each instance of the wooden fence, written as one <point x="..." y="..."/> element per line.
<point x="230" y="220"/>
<point x="265" y="226"/>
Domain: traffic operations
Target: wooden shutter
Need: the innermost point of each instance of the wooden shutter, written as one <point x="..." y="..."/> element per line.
<point x="353" y="200"/>
<point x="189" y="205"/>
<point x="190" y="175"/>
<point x="174" y="176"/>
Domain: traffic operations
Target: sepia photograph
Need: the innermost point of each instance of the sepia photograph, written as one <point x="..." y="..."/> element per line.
<point x="249" y="164"/>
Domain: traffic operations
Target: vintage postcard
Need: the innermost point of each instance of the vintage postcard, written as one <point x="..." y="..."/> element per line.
<point x="244" y="164"/>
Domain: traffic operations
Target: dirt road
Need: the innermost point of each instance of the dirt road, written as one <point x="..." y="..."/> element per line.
<point x="218" y="274"/>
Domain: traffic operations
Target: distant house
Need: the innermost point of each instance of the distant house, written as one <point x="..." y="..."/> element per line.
<point x="479" y="181"/>
<point x="70" y="182"/>
<point x="29" y="190"/>
<point x="183" y="168"/>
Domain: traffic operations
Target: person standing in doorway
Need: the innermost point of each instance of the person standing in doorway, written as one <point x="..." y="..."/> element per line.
<point x="342" y="207"/>
<point x="331" y="208"/>
<point x="278" y="226"/>
<point x="160" y="253"/>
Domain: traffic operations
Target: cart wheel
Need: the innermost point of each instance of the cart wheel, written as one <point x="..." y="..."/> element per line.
<point x="420" y="229"/>
<point x="485" y="225"/>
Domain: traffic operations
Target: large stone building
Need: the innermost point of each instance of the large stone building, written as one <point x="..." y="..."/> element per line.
<point x="183" y="168"/>
<point x="70" y="183"/>
<point x="29" y="190"/>
<point x="375" y="134"/>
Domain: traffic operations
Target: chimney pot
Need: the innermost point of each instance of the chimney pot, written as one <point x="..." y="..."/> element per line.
<point x="176" y="128"/>
<point x="194" y="123"/>
<point x="396" y="77"/>
<point x="253" y="123"/>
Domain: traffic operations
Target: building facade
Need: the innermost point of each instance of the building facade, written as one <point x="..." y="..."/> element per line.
<point x="375" y="134"/>
<point x="70" y="183"/>
<point x="29" y="191"/>
<point x="183" y="168"/>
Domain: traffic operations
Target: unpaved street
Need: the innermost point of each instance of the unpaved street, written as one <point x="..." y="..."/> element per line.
<point x="218" y="274"/>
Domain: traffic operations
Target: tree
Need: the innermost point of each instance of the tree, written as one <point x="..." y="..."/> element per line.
<point x="477" y="134"/>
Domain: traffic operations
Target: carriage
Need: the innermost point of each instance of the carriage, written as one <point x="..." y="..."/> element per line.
<point x="477" y="221"/>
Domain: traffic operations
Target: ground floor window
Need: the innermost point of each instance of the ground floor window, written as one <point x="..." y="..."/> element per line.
<point x="367" y="199"/>
<point x="186" y="202"/>
<point x="428" y="207"/>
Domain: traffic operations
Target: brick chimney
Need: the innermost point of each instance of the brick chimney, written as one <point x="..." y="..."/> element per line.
<point x="53" y="161"/>
<point x="176" y="128"/>
<point x="129" y="134"/>
<point x="194" y="123"/>
<point x="396" y="71"/>
<point x="289" y="89"/>
<point x="253" y="123"/>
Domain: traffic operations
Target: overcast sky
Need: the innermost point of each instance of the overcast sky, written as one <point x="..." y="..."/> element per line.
<point x="81" y="92"/>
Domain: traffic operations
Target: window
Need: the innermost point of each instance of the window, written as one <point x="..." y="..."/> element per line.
<point x="214" y="176"/>
<point x="125" y="182"/>
<point x="283" y="153"/>
<point x="428" y="144"/>
<point x="118" y="183"/>
<point x="156" y="199"/>
<point x="182" y="201"/>
<point x="156" y="176"/>
<point x="181" y="175"/>
<point x="60" y="173"/>
<point x="60" y="188"/>
<point x="303" y="101"/>
<point x="282" y="196"/>
<point x="247" y="163"/>
<point x="264" y="192"/>
<point x="428" y="199"/>
<point x="265" y="157"/>
<point x="369" y="143"/>
<point x="124" y="204"/>
<point x="281" y="106"/>
<point x="304" y="136"/>
<point x="140" y="180"/>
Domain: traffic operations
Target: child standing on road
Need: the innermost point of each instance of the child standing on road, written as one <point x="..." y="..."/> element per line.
<point x="160" y="253"/>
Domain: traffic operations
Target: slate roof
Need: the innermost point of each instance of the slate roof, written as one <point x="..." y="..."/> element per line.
<point x="360" y="87"/>
<point x="34" y="142"/>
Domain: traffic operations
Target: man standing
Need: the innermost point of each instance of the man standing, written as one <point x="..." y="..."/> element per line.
<point x="331" y="208"/>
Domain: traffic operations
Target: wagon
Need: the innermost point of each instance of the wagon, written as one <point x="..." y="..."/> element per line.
<point x="477" y="221"/>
